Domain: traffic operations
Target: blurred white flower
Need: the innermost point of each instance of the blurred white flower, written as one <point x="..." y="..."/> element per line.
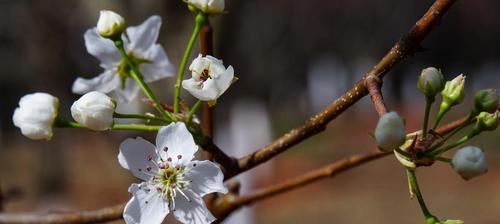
<point x="469" y="162"/>
<point x="36" y="114"/>
<point x="207" y="6"/>
<point x="390" y="131"/>
<point x="94" y="110"/>
<point x="110" y="24"/>
<point x="172" y="180"/>
<point x="210" y="78"/>
<point x="145" y="53"/>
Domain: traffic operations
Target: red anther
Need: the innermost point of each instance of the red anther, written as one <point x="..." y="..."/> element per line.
<point x="169" y="159"/>
<point x="165" y="148"/>
<point x="150" y="157"/>
<point x="179" y="156"/>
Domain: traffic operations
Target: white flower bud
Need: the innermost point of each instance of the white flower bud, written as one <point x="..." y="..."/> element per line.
<point x="390" y="131"/>
<point x="453" y="92"/>
<point x="207" y="6"/>
<point x="94" y="110"/>
<point x="469" y="162"/>
<point x="430" y="81"/>
<point x="36" y="114"/>
<point x="110" y="24"/>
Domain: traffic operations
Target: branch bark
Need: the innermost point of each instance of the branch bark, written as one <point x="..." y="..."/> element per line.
<point x="406" y="46"/>
<point x="373" y="84"/>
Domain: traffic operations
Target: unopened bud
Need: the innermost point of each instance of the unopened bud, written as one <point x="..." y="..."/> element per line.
<point x="110" y="24"/>
<point x="487" y="121"/>
<point x="390" y="131"/>
<point x="469" y="162"/>
<point x="430" y="81"/>
<point x="485" y="100"/>
<point x="453" y="92"/>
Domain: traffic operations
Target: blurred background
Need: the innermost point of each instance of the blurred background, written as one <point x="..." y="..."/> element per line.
<point x="292" y="58"/>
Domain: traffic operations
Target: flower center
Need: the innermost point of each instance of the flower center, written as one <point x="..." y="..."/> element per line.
<point x="168" y="179"/>
<point x="123" y="69"/>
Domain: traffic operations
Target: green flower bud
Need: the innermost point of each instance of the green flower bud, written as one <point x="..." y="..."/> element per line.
<point x="430" y="81"/>
<point x="487" y="121"/>
<point x="453" y="92"/>
<point x="485" y="100"/>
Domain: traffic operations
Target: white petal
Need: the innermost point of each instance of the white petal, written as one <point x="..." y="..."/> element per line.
<point x="146" y="206"/>
<point x="207" y="93"/>
<point x="143" y="37"/>
<point x="160" y="66"/>
<point x="134" y="155"/>
<point x="194" y="211"/>
<point x="206" y="177"/>
<point x="105" y="83"/>
<point x="176" y="142"/>
<point x="128" y="94"/>
<point x="224" y="80"/>
<point x="102" y="48"/>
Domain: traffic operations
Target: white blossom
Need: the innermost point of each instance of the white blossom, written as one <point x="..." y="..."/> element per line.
<point x="469" y="162"/>
<point x="173" y="182"/>
<point x="110" y="24"/>
<point x="141" y="46"/>
<point x="94" y="110"/>
<point x="210" y="78"/>
<point x="390" y="131"/>
<point x="36" y="114"/>
<point x="207" y="6"/>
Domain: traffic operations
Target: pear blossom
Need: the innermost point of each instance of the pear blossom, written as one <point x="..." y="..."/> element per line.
<point x="172" y="180"/>
<point x="207" y="6"/>
<point x="469" y="162"/>
<point x="210" y="78"/>
<point x="144" y="52"/>
<point x="94" y="110"/>
<point x="430" y="81"/>
<point x="36" y="114"/>
<point x="110" y="24"/>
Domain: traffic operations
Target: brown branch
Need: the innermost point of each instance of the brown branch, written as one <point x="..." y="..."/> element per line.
<point x="407" y="46"/>
<point x="96" y="216"/>
<point x="222" y="209"/>
<point x="373" y="85"/>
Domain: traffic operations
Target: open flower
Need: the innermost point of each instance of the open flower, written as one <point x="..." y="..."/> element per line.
<point x="94" y="110"/>
<point x="144" y="52"/>
<point x="210" y="78"/>
<point x="36" y="114"/>
<point x="172" y="180"/>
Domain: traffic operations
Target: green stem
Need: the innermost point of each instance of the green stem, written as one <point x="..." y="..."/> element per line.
<point x="443" y="109"/>
<point x="465" y="124"/>
<point x="455" y="144"/>
<point x="195" y="107"/>
<point x="443" y="159"/>
<point x="199" y="21"/>
<point x="62" y="123"/>
<point x="137" y="76"/>
<point x="140" y="116"/>
<point x="416" y="190"/>
<point x="428" y="103"/>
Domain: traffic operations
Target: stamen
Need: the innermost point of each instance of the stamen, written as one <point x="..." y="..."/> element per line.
<point x="179" y="156"/>
<point x="148" y="169"/>
<point x="165" y="148"/>
<point x="150" y="157"/>
<point x="169" y="159"/>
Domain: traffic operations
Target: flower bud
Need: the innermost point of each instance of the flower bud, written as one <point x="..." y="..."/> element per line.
<point x="450" y="221"/>
<point x="469" y="162"/>
<point x="110" y="24"/>
<point x="485" y="100"/>
<point x="94" y="110"/>
<point x="390" y="131"/>
<point x="206" y="6"/>
<point x="453" y="92"/>
<point x="430" y="82"/>
<point x="486" y="121"/>
<point x="36" y="114"/>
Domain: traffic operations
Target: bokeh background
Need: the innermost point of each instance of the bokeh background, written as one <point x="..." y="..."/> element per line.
<point x="293" y="58"/>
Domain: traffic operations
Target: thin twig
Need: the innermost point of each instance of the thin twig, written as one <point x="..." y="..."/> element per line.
<point x="373" y="85"/>
<point x="95" y="216"/>
<point x="406" y="46"/>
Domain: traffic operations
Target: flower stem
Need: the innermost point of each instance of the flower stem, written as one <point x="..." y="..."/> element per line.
<point x="465" y="124"/>
<point x="464" y="139"/>
<point x="62" y="123"/>
<point x="137" y="76"/>
<point x="200" y="19"/>
<point x="443" y="109"/>
<point x="429" y="218"/>
<point x="193" y="110"/>
<point x="140" y="116"/>
<point x="443" y="159"/>
<point x="428" y="103"/>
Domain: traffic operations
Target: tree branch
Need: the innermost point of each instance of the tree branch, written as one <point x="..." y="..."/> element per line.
<point x="373" y="85"/>
<point x="406" y="46"/>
